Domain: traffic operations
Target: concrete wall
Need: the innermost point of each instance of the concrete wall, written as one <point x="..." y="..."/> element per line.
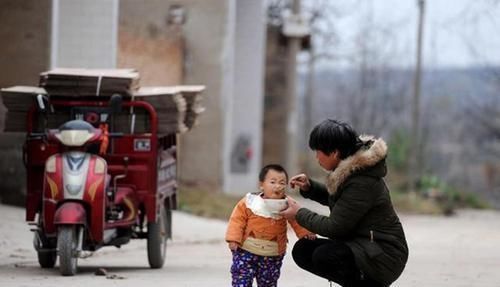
<point x="148" y="43"/>
<point x="224" y="46"/>
<point x="244" y="141"/>
<point x="208" y="56"/>
<point x="84" y="33"/>
<point x="275" y="108"/>
<point x="24" y="53"/>
<point x="25" y="38"/>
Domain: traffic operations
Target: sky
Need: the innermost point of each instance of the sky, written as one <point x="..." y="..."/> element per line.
<point x="457" y="33"/>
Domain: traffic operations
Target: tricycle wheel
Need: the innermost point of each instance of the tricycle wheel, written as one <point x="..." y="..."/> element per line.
<point x="66" y="245"/>
<point x="47" y="255"/>
<point x="157" y="240"/>
<point x="47" y="259"/>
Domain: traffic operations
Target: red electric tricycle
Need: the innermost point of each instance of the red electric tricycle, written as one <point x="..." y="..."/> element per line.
<point x="98" y="174"/>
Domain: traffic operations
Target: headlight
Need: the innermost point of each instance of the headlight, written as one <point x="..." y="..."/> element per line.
<point x="74" y="137"/>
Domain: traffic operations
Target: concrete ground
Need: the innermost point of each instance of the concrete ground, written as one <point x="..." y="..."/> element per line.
<point x="444" y="251"/>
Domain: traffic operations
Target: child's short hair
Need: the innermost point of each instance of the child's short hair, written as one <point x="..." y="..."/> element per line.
<point x="276" y="167"/>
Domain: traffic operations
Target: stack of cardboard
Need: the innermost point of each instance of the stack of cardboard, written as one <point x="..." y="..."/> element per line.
<point x="192" y="95"/>
<point x="18" y="100"/>
<point x="86" y="82"/>
<point x="170" y="107"/>
<point x="177" y="107"/>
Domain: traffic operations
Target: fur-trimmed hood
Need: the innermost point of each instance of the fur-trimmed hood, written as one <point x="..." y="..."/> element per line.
<point x="365" y="157"/>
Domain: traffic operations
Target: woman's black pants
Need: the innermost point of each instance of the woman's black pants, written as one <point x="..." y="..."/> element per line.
<point x="330" y="259"/>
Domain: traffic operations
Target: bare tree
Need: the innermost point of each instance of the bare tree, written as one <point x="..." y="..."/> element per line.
<point x="474" y="146"/>
<point x="324" y="38"/>
<point x="374" y="99"/>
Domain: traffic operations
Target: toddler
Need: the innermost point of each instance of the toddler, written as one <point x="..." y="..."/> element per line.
<point x="256" y="233"/>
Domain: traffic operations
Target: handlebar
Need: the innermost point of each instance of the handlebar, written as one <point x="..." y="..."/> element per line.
<point x="44" y="135"/>
<point x="37" y="136"/>
<point x="116" y="135"/>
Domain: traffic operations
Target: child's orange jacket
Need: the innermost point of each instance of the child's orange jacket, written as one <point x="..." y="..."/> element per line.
<point x="244" y="224"/>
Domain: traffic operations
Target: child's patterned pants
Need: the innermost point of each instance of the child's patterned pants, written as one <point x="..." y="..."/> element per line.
<point x="246" y="266"/>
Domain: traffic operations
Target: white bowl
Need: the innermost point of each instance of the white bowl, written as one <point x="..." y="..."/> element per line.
<point x="275" y="205"/>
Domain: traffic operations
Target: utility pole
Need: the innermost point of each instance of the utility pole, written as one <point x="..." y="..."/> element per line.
<point x="415" y="153"/>
<point x="291" y="98"/>
<point x="309" y="98"/>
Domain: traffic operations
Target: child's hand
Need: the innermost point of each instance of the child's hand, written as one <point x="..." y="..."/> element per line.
<point x="233" y="245"/>
<point x="310" y="236"/>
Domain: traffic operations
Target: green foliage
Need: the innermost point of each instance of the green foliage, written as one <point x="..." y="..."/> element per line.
<point x="432" y="187"/>
<point x="434" y="196"/>
<point x="433" y="193"/>
<point x="413" y="203"/>
<point x="398" y="147"/>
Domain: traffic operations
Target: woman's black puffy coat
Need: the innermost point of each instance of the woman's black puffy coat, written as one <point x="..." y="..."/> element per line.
<point x="361" y="213"/>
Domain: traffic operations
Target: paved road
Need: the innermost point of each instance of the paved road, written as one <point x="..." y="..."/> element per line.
<point x="457" y="251"/>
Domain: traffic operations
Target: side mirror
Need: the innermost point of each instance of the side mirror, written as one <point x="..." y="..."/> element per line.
<point x="42" y="103"/>
<point x="115" y="103"/>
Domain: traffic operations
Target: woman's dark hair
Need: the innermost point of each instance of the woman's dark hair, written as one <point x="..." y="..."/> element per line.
<point x="276" y="167"/>
<point x="331" y="135"/>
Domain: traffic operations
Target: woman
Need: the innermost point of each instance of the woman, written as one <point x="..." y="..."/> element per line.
<point x="365" y="243"/>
